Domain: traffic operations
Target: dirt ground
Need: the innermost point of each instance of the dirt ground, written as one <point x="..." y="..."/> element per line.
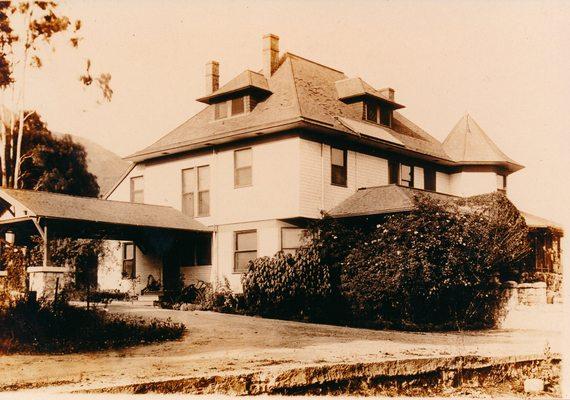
<point x="221" y="344"/>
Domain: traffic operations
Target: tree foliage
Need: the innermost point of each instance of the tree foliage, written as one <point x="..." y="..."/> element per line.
<point x="27" y="30"/>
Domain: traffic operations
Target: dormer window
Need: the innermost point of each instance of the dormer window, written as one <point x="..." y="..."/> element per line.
<point x="377" y="113"/>
<point x="230" y="108"/>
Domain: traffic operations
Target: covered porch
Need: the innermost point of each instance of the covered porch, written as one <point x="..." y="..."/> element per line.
<point x="160" y="232"/>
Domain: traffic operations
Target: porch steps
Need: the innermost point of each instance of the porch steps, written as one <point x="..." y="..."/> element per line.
<point x="147" y="300"/>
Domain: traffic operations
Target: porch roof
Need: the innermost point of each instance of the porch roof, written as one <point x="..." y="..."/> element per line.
<point x="82" y="214"/>
<point x="381" y="200"/>
<point x="393" y="198"/>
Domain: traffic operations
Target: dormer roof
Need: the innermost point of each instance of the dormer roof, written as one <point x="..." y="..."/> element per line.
<point x="355" y="89"/>
<point x="468" y="144"/>
<point x="246" y="82"/>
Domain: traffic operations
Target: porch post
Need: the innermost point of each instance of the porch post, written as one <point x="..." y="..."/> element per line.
<point x="45" y="246"/>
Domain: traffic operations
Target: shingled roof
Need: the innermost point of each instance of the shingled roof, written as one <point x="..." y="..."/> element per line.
<point x="381" y="200"/>
<point x="468" y="144"/>
<point x="303" y="91"/>
<point x="75" y="208"/>
<point x="247" y="80"/>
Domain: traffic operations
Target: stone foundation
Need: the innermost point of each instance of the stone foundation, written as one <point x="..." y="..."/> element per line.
<point x="531" y="294"/>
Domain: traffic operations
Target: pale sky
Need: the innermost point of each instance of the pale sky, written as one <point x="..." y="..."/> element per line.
<point x="506" y="63"/>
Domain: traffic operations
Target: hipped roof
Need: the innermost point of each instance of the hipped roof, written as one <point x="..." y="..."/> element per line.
<point x="303" y="92"/>
<point x="246" y="81"/>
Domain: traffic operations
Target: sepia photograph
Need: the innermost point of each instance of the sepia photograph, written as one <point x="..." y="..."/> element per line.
<point x="284" y="198"/>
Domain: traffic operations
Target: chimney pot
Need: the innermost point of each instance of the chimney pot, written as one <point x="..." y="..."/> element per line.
<point x="212" y="77"/>
<point x="270" y="54"/>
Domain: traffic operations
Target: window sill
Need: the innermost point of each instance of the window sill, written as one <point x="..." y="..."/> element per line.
<point x="243" y="186"/>
<point x="339" y="185"/>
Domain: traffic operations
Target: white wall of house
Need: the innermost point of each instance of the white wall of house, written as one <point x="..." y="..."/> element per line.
<point x="109" y="273"/>
<point x="469" y="183"/>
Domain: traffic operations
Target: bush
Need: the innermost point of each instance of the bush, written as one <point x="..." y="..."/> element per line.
<point x="30" y="327"/>
<point x="438" y="267"/>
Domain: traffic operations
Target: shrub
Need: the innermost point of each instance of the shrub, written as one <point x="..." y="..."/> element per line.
<point x="439" y="266"/>
<point x="303" y="285"/>
<point x="220" y="298"/>
<point x="31" y="327"/>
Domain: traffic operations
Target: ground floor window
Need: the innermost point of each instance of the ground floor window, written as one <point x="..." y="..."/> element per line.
<point x="292" y="239"/>
<point x="129" y="260"/>
<point x="245" y="249"/>
<point x="196" y="251"/>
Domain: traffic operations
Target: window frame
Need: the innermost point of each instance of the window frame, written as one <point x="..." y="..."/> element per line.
<point x="250" y="167"/>
<point x="124" y="260"/>
<point x="430" y="176"/>
<point x="291" y="250"/>
<point x="238" y="251"/>
<point x="199" y="191"/>
<point x="378" y="111"/>
<point x="185" y="193"/>
<point x="228" y="107"/>
<point x="133" y="191"/>
<point x="401" y="180"/>
<point x="344" y="167"/>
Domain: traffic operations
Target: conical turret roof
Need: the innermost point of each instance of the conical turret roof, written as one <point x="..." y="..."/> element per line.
<point x="468" y="144"/>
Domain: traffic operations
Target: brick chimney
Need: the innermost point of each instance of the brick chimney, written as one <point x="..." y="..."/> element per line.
<point x="212" y="77"/>
<point x="270" y="54"/>
<point x="389" y="93"/>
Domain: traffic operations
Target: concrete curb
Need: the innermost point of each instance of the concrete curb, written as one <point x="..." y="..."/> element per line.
<point x="279" y="379"/>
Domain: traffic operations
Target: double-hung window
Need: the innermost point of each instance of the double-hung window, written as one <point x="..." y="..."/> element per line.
<point x="338" y="167"/>
<point x="229" y="108"/>
<point x="129" y="260"/>
<point x="203" y="191"/>
<point x="378" y="114"/>
<point x="188" y="189"/>
<point x="196" y="188"/>
<point x="243" y="167"/>
<point x="291" y="239"/>
<point x="137" y="189"/>
<point x="245" y="249"/>
<point x="406" y="175"/>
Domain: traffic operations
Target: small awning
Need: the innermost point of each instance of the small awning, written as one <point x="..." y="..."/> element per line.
<point x="84" y="217"/>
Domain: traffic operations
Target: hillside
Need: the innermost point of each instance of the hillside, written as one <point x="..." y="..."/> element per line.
<point x="103" y="163"/>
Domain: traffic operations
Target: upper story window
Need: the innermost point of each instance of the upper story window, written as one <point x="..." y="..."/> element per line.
<point x="406" y="175"/>
<point x="188" y="189"/>
<point x="291" y="239"/>
<point x="245" y="249"/>
<point x="338" y="167"/>
<point x="230" y="108"/>
<point x="137" y="189"/>
<point x="429" y="179"/>
<point x="243" y="167"/>
<point x="196" y="185"/>
<point x="204" y="190"/>
<point x="403" y="174"/>
<point x="377" y="113"/>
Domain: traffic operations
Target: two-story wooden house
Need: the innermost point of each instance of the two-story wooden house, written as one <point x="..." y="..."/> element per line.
<point x="272" y="149"/>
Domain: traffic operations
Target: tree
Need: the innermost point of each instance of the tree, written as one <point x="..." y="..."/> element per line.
<point x="54" y="164"/>
<point x="27" y="29"/>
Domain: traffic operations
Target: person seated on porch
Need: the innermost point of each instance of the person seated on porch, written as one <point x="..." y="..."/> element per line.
<point x="152" y="285"/>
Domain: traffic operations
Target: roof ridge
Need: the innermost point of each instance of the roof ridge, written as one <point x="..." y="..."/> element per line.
<point x="288" y="53"/>
<point x="80" y="197"/>
<point x="295" y="88"/>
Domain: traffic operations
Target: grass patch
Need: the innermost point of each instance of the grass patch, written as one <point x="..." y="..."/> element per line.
<point x="29" y="327"/>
